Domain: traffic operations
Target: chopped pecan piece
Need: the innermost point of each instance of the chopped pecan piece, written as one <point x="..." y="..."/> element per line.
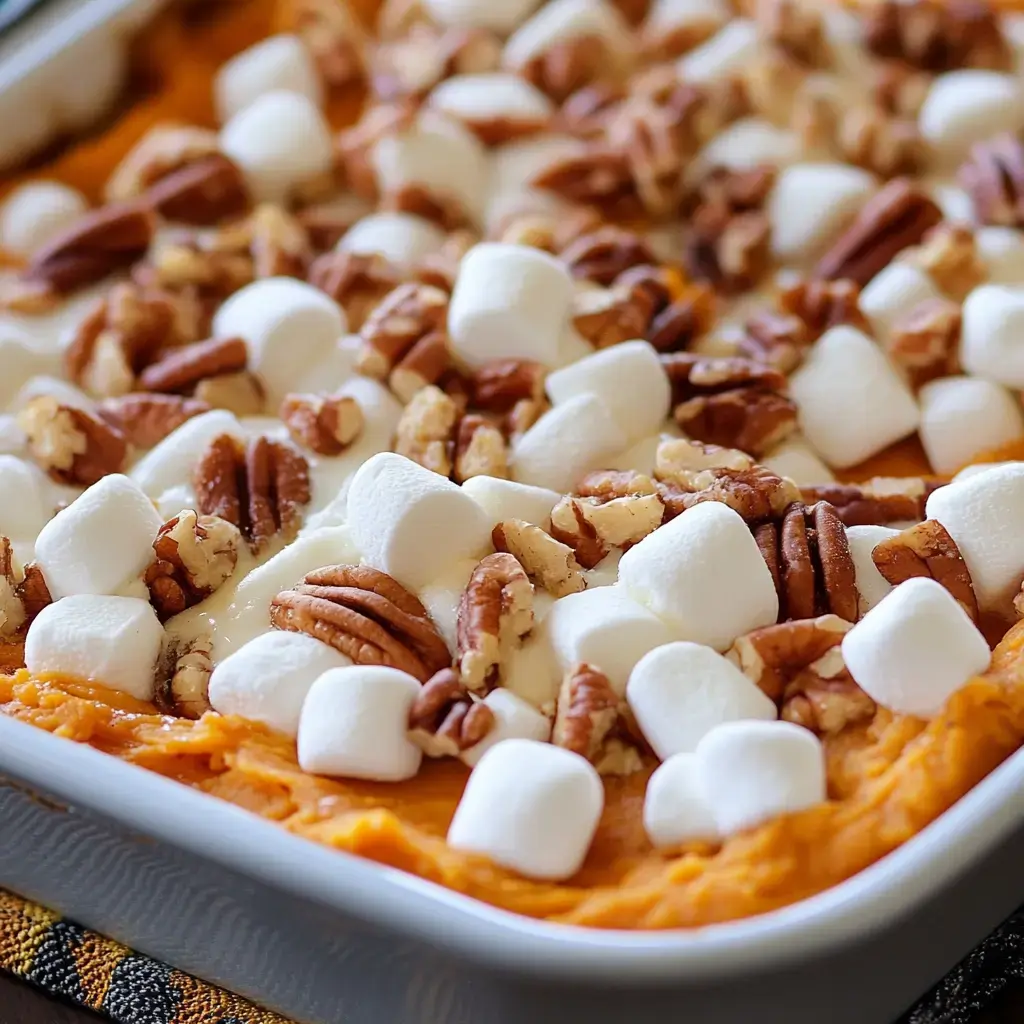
<point x="445" y="720"/>
<point x="614" y="483"/>
<point x="994" y="176"/>
<point x="927" y="549"/>
<point x="948" y="254"/>
<point x="204" y="192"/>
<point x="240" y="393"/>
<point x="278" y="243"/>
<point x="260" y="487"/>
<point x="549" y="563"/>
<point x="776" y="340"/>
<point x="195" y="556"/>
<point x="683" y="321"/>
<point x="495" y="613"/>
<point x="425" y="363"/>
<point x="480" y="449"/>
<point x="164" y="149"/>
<point x="12" y="609"/>
<point x="657" y="147"/>
<point x="602" y="255"/>
<point x="498" y="385"/>
<point x="606" y="318"/>
<point x="925" y="341"/>
<point x="900" y="89"/>
<point x="356" y="281"/>
<point x="824" y="304"/>
<point x="335" y="38"/>
<point x="894" y="218"/>
<point x="879" y="501"/>
<point x="878" y="142"/>
<point x="146" y="419"/>
<point x="592" y="526"/>
<point x="71" y="444"/>
<point x="182" y="368"/>
<point x="796" y="28"/>
<point x="570" y="64"/>
<point x="425" y="430"/>
<point x="590" y="720"/>
<point x="33" y="592"/>
<point x="522" y="416"/>
<point x="406" y="314"/>
<point x="731" y="252"/>
<point x="187" y="694"/>
<point x="601" y="177"/>
<point x="325" y="425"/>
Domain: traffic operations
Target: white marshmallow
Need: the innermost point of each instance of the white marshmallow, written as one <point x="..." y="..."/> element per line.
<point x="893" y="292"/>
<point x="703" y="574"/>
<point x="980" y="467"/>
<point x="993" y="322"/>
<point x="745" y="144"/>
<point x="30" y="503"/>
<point x="964" y="416"/>
<point x="872" y="586"/>
<point x="287" y="325"/>
<point x="279" y="62"/>
<point x="514" y="718"/>
<point x="852" y="402"/>
<point x="280" y="141"/>
<point x="110" y="640"/>
<point x="483" y="100"/>
<point x="984" y="514"/>
<point x="751" y="772"/>
<point x="603" y="627"/>
<point x="43" y="384"/>
<point x="443" y="596"/>
<point x="915" y="649"/>
<point x="681" y="691"/>
<point x="171" y="462"/>
<point x="810" y="203"/>
<point x="268" y="678"/>
<point x="530" y="807"/>
<point x="954" y="203"/>
<point x="403" y="238"/>
<point x="411" y="523"/>
<point x="798" y="461"/>
<point x="726" y="53"/>
<point x="642" y="456"/>
<point x="509" y="302"/>
<point x="500" y="16"/>
<point x="505" y="499"/>
<point x="22" y="364"/>
<point x="560" y="22"/>
<point x="532" y="672"/>
<point x="12" y="438"/>
<point x="965" y="106"/>
<point x="354" y="724"/>
<point x="36" y="212"/>
<point x="568" y="441"/>
<point x="100" y="541"/>
<point x="675" y="810"/>
<point x="628" y="378"/>
<point x="1002" y="252"/>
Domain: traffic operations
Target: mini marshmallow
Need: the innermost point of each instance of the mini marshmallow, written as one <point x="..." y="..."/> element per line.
<point x="745" y="144"/>
<point x="642" y="456"/>
<point x="629" y="379"/>
<point x="531" y="807"/>
<point x="810" y="203"/>
<point x="532" y="671"/>
<point x="872" y="586"/>
<point x="280" y="141"/>
<point x="43" y="384"/>
<point x="100" y="541"/>
<point x="675" y="810"/>
<point x="514" y="718"/>
<point x="490" y="99"/>
<point x="1002" y="251"/>
<point x="509" y="302"/>
<point x="603" y="627"/>
<point x="30" y="503"/>
<point x="22" y="363"/>
<point x="354" y="724"/>
<point x="411" y="523"/>
<point x="979" y="467"/>
<point x="892" y="292"/>
<point x="561" y="21"/>
<point x="964" y="416"/>
<point x="852" y="403"/>
<point x="673" y="26"/>
<point x="287" y="325"/>
<point x="36" y="212"/>
<point x="506" y="499"/>
<point x="915" y="649"/>
<point x="751" y="772"/>
<point x="12" y="437"/>
<point x="984" y="514"/>
<point x="267" y="679"/>
<point x="279" y="62"/>
<point x="500" y="16"/>
<point x="954" y="203"/>
<point x="704" y="575"/>
<point x="115" y="641"/>
<point x="965" y="106"/>
<point x="568" y="441"/>
<point x="726" y="53"/>
<point x="681" y="691"/>
<point x="993" y="323"/>
<point x="443" y="596"/>
<point x="402" y="238"/>
<point x="797" y="460"/>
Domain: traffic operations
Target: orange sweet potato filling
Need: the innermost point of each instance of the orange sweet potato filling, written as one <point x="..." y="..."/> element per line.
<point x="887" y="780"/>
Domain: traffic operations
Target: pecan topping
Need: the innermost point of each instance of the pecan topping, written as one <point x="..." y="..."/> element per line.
<point x="681" y="322"/>
<point x="480" y="449"/>
<point x="549" y="563"/>
<point x="522" y="416"/>
<point x="879" y="501"/>
<point x="824" y="304"/>
<point x="239" y="393"/>
<point x="585" y="113"/>
<point x="925" y="341"/>
<point x="885" y="145"/>
<point x="606" y="318"/>
<point x="356" y="281"/>
<point x="569" y="65"/>
<point x="614" y="483"/>
<point x="776" y="340"/>
<point x="602" y="255"/>
<point x="146" y="419"/>
<point x="195" y="555"/>
<point x="278" y="243"/>
<point x="994" y="176"/>
<point x="495" y="613"/>
<point x="601" y="176"/>
<point x="12" y="610"/>
<point x="591" y="720"/>
<point x="366" y="615"/>
<point x="187" y="690"/>
<point x="948" y="254"/>
<point x="71" y="444"/>
<point x="927" y="549"/>
<point x="900" y="89"/>
<point x="425" y="363"/>
<point x="164" y="149"/>
<point x="204" y="192"/>
<point x="425" y="430"/>
<point x="183" y="368"/>
<point x="498" y="385"/>
<point x="325" y="425"/>
<point x="33" y="592"/>
<point x="592" y="526"/>
<point x="731" y="252"/>
<point x="405" y="315"/>
<point x="445" y="720"/>
<point x="896" y="217"/>
<point x="795" y="28"/>
<point x="260" y="487"/>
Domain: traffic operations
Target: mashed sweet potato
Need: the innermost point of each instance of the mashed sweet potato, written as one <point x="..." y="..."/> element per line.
<point x="887" y="779"/>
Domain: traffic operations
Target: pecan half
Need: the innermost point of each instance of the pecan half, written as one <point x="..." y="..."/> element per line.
<point x="405" y="315"/>
<point x="204" y="192"/>
<point x="146" y="419"/>
<point x="600" y="256"/>
<point x="356" y="281"/>
<point x="445" y="720"/>
<point x="592" y="526"/>
<point x="183" y="368"/>
<point x="614" y="483"/>
<point x="729" y="251"/>
<point x="260" y="487"/>
<point x="164" y="149"/>
<point x="876" y="502"/>
<point x="187" y="694"/>
<point x="480" y="449"/>
<point x="425" y="430"/>
<point x="498" y="385"/>
<point x="928" y="550"/>
<point x="367" y="616"/>
<point x="994" y="176"/>
<point x="776" y="340"/>
<point x="925" y="341"/>
<point x="601" y="177"/>
<point x="12" y="609"/>
<point x="949" y="255"/>
<point x="325" y="425"/>
<point x="591" y="720"/>
<point x="548" y="563"/>
<point x="71" y="444"/>
<point x="751" y="419"/>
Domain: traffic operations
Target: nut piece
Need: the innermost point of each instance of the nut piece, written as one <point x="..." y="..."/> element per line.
<point x="335" y="38"/>
<point x="144" y="420"/>
<point x="775" y="339"/>
<point x="164" y="149"/>
<point x="356" y="281"/>
<point x="614" y="483"/>
<point x="498" y="385"/>
<point x="12" y="609"/>
<point x="591" y="526"/>
<point x="425" y="363"/>
<point x="367" y="616"/>
<point x="33" y="592"/>
<point x="405" y="315"/>
<point x="824" y="304"/>
<point x="881" y="500"/>
<point x="606" y="318"/>
<point x="278" y="242"/>
<point x="184" y="367"/>
<point x="425" y="428"/>
<point x="885" y="145"/>
<point x="601" y="255"/>
<point x="195" y="556"/>
<point x="927" y="549"/>
<point x="569" y="65"/>
<point x="480" y="449"/>
<point x="495" y="613"/>
<point x="950" y="257"/>
<point x="548" y="563"/>
<point x="204" y="192"/>
<point x="72" y="445"/>
<point x="994" y="176"/>
<point x="187" y="693"/>
<point x="260" y="487"/>
<point x="590" y="721"/>
<point x="239" y="393"/>
<point x="925" y="341"/>
<point x="325" y="425"/>
<point x="445" y="720"/>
